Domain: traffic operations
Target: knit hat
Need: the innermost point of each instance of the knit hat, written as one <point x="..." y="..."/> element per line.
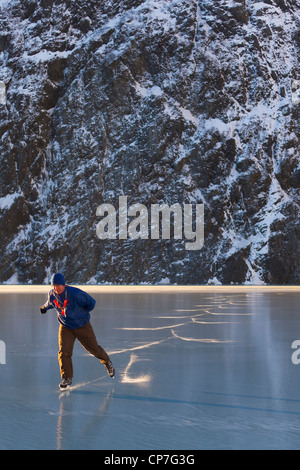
<point x="58" y="279"/>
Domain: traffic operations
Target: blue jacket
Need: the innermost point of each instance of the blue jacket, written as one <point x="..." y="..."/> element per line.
<point x="72" y="306"/>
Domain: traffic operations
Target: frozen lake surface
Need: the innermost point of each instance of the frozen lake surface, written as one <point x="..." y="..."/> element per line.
<point x="196" y="368"/>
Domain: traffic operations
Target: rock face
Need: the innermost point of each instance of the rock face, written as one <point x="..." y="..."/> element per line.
<point x="164" y="101"/>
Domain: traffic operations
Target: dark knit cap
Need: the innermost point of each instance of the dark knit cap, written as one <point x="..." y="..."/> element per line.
<point x="58" y="279"/>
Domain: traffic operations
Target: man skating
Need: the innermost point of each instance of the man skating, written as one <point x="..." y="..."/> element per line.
<point x="73" y="307"/>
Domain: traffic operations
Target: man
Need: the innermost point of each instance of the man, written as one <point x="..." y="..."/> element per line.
<point x="73" y="306"/>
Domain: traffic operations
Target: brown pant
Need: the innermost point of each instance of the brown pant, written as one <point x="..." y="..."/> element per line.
<point x="66" y="340"/>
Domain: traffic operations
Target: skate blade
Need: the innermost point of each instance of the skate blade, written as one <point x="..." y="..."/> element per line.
<point x="64" y="389"/>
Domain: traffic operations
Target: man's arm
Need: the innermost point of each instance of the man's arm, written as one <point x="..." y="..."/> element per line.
<point x="85" y="301"/>
<point x="46" y="306"/>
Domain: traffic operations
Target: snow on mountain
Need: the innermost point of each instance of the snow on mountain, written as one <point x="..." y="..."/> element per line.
<point x="164" y="101"/>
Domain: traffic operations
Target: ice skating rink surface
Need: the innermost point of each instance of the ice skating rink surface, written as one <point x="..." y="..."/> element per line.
<point x="196" y="368"/>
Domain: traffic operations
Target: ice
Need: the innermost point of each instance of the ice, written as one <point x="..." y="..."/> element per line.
<point x="196" y="368"/>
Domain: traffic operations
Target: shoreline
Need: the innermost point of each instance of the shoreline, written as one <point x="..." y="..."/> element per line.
<point x="162" y="289"/>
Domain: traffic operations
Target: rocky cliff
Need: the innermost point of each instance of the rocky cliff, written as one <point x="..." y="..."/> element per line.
<point x="183" y="101"/>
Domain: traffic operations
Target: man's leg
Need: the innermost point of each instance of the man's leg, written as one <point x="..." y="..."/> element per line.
<point x="87" y="339"/>
<point x="66" y="339"/>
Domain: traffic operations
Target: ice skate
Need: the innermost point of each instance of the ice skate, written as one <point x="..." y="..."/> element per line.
<point x="109" y="368"/>
<point x="65" y="384"/>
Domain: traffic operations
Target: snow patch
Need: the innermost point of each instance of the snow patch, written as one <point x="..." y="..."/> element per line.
<point x="7" y="201"/>
<point x="12" y="280"/>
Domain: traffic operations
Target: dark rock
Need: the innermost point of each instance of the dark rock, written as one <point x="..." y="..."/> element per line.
<point x="179" y="102"/>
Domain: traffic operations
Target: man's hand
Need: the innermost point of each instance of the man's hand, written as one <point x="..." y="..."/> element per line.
<point x="43" y="309"/>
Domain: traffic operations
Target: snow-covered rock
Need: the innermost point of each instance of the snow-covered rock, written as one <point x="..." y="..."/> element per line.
<point x="165" y="101"/>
